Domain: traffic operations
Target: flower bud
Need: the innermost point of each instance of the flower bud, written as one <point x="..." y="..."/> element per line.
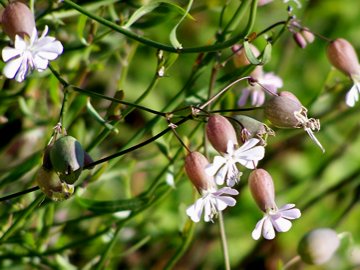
<point x="280" y="111"/>
<point x="195" y="164"/>
<point x="262" y="189"/>
<point x="219" y="132"/>
<point x="342" y="56"/>
<point x="300" y="40"/>
<point x="318" y="246"/>
<point x="52" y="186"/>
<point x="240" y="58"/>
<point x="67" y="158"/>
<point x="308" y="36"/>
<point x="17" y="19"/>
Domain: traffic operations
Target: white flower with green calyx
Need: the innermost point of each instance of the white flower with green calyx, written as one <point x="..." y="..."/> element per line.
<point x="30" y="53"/>
<point x="224" y="167"/>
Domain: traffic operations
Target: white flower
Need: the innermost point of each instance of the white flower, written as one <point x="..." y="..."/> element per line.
<point x="276" y="219"/>
<point x="30" y="53"/>
<point x="224" y="167"/>
<point x="264" y="2"/>
<point x="352" y="95"/>
<point x="268" y="80"/>
<point x="211" y="202"/>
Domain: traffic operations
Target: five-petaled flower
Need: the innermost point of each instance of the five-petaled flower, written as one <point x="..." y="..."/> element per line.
<point x="275" y="219"/>
<point x="211" y="203"/>
<point x="224" y="167"/>
<point x="30" y="53"/>
<point x="267" y="80"/>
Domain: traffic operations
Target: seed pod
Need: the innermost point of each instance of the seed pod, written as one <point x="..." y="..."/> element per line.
<point x="342" y="56"/>
<point x="52" y="186"/>
<point x="195" y="164"/>
<point x="280" y="111"/>
<point x="318" y="246"/>
<point x="67" y="158"/>
<point x="262" y="189"/>
<point x="240" y="58"/>
<point x="17" y="19"/>
<point x="219" y="131"/>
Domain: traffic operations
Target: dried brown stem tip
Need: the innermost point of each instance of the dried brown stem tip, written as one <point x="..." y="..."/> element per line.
<point x="195" y="164"/>
<point x="342" y="56"/>
<point x="220" y="131"/>
<point x="262" y="189"/>
<point x="17" y="19"/>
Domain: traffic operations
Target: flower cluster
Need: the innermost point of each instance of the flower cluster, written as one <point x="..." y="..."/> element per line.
<point x="207" y="177"/>
<point x="29" y="51"/>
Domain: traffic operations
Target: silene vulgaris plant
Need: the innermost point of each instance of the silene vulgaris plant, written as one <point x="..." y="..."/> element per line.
<point x="130" y="129"/>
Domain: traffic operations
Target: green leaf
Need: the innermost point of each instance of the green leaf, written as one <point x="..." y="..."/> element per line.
<point x="250" y="55"/>
<point x="141" y="12"/>
<point x="112" y="206"/>
<point x="173" y="39"/>
<point x="81" y="29"/>
<point x="146" y="9"/>
<point x="97" y="116"/>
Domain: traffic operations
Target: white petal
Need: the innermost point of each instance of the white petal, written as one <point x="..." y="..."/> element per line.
<point x="9" y="53"/>
<point x="291" y="214"/>
<point x="247" y="145"/>
<point x="257" y="97"/>
<point x="268" y="229"/>
<point x="352" y="96"/>
<point x="40" y="63"/>
<point x="270" y="78"/>
<point x="226" y="190"/>
<point x="212" y="168"/>
<point x="230" y="147"/>
<point x="224" y="201"/>
<point x="194" y="211"/>
<point x="244" y="97"/>
<point x="12" y="67"/>
<point x="281" y="224"/>
<point x="286" y="207"/>
<point x="258" y="229"/>
<point x="20" y="44"/>
<point x="249" y="158"/>
<point x="50" y="51"/>
<point x="208" y="214"/>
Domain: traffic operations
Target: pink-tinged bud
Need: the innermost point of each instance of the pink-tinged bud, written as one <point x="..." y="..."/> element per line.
<point x="262" y="189"/>
<point x="342" y="56"/>
<point x="300" y="40"/>
<point x="240" y="58"/>
<point x="195" y="164"/>
<point x="220" y="131"/>
<point x="309" y="37"/>
<point x="290" y="96"/>
<point x="17" y="19"/>
<point x="318" y="246"/>
<point x="280" y="110"/>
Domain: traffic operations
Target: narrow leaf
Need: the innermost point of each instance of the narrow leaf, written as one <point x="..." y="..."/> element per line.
<point x="98" y="117"/>
<point x="173" y="39"/>
<point x="141" y="12"/>
<point x="267" y="54"/>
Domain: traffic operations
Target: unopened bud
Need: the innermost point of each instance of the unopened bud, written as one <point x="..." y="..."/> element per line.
<point x="262" y="189"/>
<point x="195" y="164"/>
<point x="17" y="19"/>
<point x="309" y="37"/>
<point x="342" y="56"/>
<point x="240" y="58"/>
<point x="318" y="246"/>
<point x="300" y="40"/>
<point x="219" y="132"/>
<point x="50" y="183"/>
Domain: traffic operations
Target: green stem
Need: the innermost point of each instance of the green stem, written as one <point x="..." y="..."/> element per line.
<point x="224" y="241"/>
<point x="291" y="263"/>
<point x="252" y="17"/>
<point x="161" y="46"/>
